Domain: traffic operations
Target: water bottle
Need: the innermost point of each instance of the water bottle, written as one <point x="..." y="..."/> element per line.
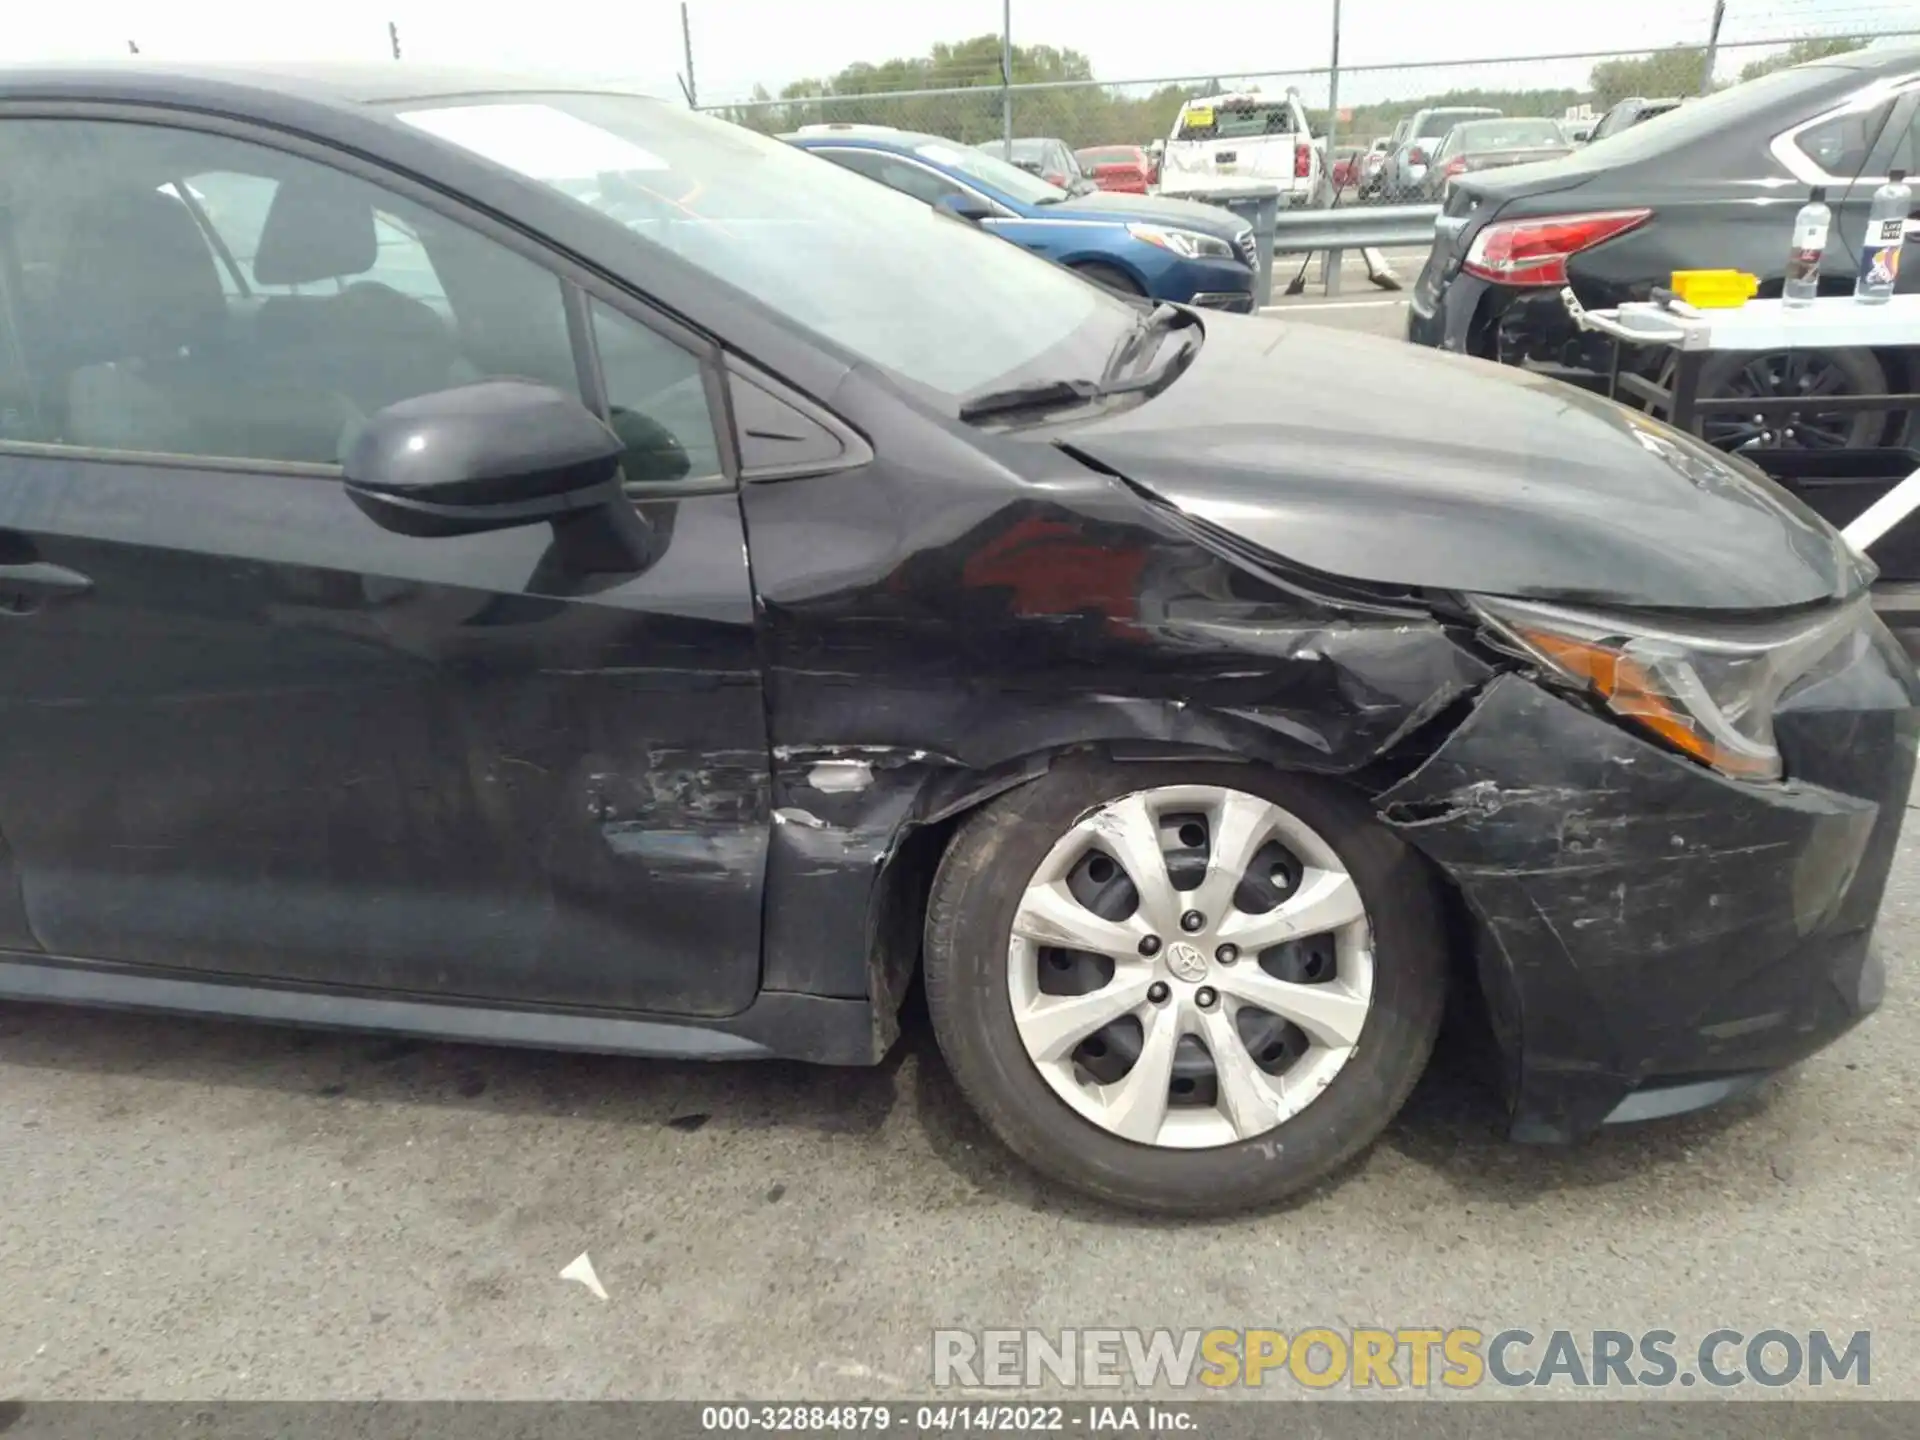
<point x="1810" y="229"/>
<point x="1886" y="233"/>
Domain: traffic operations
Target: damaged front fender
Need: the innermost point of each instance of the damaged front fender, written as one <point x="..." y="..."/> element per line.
<point x="1641" y="921"/>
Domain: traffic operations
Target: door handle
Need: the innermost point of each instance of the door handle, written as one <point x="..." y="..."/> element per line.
<point x="25" y="588"/>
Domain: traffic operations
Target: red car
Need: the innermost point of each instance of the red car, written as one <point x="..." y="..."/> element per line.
<point x="1123" y="168"/>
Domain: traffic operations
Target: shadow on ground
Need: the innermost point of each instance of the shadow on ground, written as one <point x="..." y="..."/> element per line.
<point x="1453" y="1124"/>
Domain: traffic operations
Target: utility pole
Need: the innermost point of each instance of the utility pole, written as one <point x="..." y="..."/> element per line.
<point x="687" y="83"/>
<point x="393" y="38"/>
<point x="1006" y="74"/>
<point x="1713" y="46"/>
<point x="132" y="49"/>
<point x="1333" y="92"/>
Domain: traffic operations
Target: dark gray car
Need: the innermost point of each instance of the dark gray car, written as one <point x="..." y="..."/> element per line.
<point x="1490" y="144"/>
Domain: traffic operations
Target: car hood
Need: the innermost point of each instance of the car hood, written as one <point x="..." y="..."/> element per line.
<point x="1154" y="209"/>
<point x="1396" y="465"/>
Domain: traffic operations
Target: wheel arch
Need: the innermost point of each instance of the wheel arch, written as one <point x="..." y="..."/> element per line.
<point x="863" y="884"/>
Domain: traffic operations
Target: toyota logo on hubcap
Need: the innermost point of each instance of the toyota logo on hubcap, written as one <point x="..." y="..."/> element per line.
<point x="1185" y="961"/>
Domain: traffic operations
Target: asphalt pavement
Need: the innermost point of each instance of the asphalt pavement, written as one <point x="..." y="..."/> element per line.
<point x="206" y="1210"/>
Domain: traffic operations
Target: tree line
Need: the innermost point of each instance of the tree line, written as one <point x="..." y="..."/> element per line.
<point x="1083" y="112"/>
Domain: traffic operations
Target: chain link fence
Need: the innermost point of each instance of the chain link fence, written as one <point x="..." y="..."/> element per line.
<point x="1374" y="133"/>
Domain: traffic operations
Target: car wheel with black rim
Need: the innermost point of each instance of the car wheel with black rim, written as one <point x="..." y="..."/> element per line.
<point x="1811" y="375"/>
<point x="1187" y="988"/>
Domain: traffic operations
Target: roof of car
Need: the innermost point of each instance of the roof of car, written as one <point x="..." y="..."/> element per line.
<point x="327" y="82"/>
<point x="879" y="134"/>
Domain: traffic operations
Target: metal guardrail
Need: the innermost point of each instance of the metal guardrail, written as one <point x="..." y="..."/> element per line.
<point x="1298" y="232"/>
<point x="1366" y="228"/>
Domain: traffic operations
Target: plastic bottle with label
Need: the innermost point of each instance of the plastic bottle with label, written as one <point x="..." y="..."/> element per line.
<point x="1810" y="229"/>
<point x="1886" y="233"/>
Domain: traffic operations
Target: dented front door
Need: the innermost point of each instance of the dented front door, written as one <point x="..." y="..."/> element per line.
<point x="269" y="739"/>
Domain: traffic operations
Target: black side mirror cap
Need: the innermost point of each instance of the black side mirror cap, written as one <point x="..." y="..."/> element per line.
<point x="488" y="456"/>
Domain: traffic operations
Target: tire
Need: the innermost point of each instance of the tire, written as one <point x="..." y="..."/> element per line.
<point x="1109" y="277"/>
<point x="1849" y="372"/>
<point x="971" y="954"/>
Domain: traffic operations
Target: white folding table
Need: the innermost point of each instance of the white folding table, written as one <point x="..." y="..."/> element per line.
<point x="1829" y="323"/>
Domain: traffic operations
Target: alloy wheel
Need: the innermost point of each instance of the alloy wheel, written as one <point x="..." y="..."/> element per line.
<point x="1190" y="966"/>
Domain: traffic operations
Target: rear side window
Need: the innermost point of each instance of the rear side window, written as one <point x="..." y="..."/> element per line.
<point x="1237" y="120"/>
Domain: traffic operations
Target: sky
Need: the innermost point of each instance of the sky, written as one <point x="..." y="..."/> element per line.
<point x="738" y="43"/>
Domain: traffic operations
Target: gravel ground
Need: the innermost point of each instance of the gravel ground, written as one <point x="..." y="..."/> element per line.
<point x="201" y="1210"/>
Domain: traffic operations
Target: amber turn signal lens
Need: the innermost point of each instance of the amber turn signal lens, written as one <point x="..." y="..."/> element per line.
<point x="1634" y="693"/>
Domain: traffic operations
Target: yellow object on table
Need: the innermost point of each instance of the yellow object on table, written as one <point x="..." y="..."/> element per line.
<point x="1715" y="289"/>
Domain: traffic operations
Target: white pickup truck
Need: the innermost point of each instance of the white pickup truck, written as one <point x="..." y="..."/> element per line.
<point x="1245" y="141"/>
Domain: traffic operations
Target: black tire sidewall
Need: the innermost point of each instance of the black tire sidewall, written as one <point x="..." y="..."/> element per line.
<point x="970" y="919"/>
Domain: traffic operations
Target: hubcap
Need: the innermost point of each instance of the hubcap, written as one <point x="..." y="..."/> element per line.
<point x="1190" y="966"/>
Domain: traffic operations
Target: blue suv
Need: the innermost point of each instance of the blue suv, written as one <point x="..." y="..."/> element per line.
<point x="1165" y="249"/>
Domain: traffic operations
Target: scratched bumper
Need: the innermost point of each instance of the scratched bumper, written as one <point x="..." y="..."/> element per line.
<point x="1642" y="926"/>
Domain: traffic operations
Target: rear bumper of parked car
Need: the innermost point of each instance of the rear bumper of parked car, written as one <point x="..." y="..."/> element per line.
<point x="1650" y="936"/>
<point x="1516" y="325"/>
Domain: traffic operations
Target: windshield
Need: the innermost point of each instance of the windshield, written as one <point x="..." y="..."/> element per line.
<point x="1009" y="179"/>
<point x="1234" y="120"/>
<point x="1507" y="134"/>
<point x="1109" y="155"/>
<point x="827" y="248"/>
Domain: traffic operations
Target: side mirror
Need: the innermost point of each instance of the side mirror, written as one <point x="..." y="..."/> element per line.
<point x="964" y="207"/>
<point x="490" y="456"/>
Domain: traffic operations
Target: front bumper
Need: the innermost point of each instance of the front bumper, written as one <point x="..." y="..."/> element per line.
<point x="1646" y="928"/>
<point x="1215" y="283"/>
<point x="1239" y="302"/>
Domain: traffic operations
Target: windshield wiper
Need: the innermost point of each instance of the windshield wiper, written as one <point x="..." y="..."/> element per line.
<point x="1053" y="395"/>
<point x="1039" y="395"/>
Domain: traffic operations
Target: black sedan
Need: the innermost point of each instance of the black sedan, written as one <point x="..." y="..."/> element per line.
<point x="499" y="560"/>
<point x="1713" y="184"/>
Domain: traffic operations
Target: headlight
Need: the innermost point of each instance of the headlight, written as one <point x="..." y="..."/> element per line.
<point x="1190" y="243"/>
<point x="1707" y="690"/>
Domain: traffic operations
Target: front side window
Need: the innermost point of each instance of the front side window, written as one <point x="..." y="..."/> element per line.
<point x="942" y="306"/>
<point x="191" y="294"/>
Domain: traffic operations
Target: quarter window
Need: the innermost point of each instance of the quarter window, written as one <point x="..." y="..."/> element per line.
<point x="1840" y="145"/>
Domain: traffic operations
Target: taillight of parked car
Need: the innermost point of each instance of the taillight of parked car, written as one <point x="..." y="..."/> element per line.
<point x="1535" y="252"/>
<point x="1302" y="161"/>
<point x="1416" y="156"/>
<point x="1055" y="179"/>
<point x="1455" y="166"/>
